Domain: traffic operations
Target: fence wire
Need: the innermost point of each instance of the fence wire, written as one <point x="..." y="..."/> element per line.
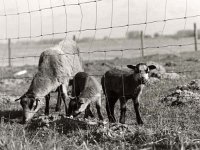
<point x="96" y="28"/>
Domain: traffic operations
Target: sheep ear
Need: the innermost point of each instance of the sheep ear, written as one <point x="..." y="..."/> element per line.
<point x="71" y="97"/>
<point x="35" y="104"/>
<point x="131" y="67"/>
<point x="151" y="67"/>
<point x="19" y="98"/>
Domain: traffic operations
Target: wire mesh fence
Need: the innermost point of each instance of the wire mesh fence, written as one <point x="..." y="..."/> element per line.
<point x="100" y="27"/>
<point x="29" y="11"/>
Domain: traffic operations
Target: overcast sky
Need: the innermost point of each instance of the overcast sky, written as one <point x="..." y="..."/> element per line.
<point x="95" y="14"/>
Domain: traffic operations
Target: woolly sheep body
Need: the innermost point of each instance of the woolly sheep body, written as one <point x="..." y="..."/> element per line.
<point x="71" y="51"/>
<point x="53" y="71"/>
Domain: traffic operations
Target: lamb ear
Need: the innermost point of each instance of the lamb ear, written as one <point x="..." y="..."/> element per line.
<point x="71" y="97"/>
<point x="151" y="67"/>
<point x="131" y="67"/>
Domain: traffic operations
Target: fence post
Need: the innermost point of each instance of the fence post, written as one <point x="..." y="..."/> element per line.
<point x="74" y="38"/>
<point x="195" y="37"/>
<point x="9" y="52"/>
<point x="142" y="43"/>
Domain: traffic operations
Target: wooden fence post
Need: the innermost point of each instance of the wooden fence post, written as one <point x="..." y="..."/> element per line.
<point x="195" y="37"/>
<point x="9" y="52"/>
<point x="142" y="43"/>
<point x="74" y="38"/>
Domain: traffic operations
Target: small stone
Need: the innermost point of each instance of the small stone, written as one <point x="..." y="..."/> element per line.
<point x="178" y="91"/>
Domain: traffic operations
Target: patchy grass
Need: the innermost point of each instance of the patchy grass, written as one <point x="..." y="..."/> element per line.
<point x="165" y="127"/>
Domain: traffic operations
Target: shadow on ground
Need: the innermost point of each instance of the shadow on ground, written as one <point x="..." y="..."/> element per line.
<point x="59" y="123"/>
<point x="10" y="116"/>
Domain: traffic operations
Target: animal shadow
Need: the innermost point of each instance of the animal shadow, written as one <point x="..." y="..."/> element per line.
<point x="60" y="123"/>
<point x="10" y="116"/>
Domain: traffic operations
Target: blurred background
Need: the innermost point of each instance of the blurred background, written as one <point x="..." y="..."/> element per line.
<point x="127" y="28"/>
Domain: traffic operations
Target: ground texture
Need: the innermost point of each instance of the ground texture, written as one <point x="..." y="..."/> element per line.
<point x="169" y="108"/>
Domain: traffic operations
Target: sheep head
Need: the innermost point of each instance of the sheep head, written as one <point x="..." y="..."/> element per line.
<point x="76" y="106"/>
<point x="30" y="106"/>
<point x="141" y="71"/>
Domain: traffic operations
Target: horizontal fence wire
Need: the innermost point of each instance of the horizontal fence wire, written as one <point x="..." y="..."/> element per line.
<point x="102" y="28"/>
<point x="47" y="8"/>
<point x="94" y="75"/>
<point x="110" y="50"/>
<point x="81" y="29"/>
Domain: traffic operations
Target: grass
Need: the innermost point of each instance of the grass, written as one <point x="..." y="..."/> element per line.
<point x="164" y="127"/>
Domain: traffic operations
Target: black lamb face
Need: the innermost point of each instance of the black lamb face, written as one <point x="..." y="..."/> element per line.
<point x="142" y="72"/>
<point x="76" y="106"/>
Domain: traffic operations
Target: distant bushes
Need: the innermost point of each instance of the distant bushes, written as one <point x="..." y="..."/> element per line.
<point x="135" y="35"/>
<point x="185" y="33"/>
<point x="178" y="34"/>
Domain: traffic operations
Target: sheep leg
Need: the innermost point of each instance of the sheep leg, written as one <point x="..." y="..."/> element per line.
<point x="110" y="106"/>
<point x="69" y="88"/>
<point x="59" y="99"/>
<point x="98" y="107"/>
<point x="64" y="96"/>
<point x="88" y="112"/>
<point x="47" y="99"/>
<point x="137" y="112"/>
<point x="123" y="102"/>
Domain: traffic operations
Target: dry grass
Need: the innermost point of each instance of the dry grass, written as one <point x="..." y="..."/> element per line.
<point x="165" y="127"/>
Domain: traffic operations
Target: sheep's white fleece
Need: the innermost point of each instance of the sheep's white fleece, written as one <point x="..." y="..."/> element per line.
<point x="56" y="66"/>
<point x="71" y="50"/>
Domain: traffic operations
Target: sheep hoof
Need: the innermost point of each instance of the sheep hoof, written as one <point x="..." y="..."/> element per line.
<point x="140" y="122"/>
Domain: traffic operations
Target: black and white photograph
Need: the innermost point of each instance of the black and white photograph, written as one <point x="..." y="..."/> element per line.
<point x="99" y="74"/>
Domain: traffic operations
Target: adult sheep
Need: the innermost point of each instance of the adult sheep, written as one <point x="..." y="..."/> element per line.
<point x="71" y="50"/>
<point x="124" y="85"/>
<point x="54" y="70"/>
